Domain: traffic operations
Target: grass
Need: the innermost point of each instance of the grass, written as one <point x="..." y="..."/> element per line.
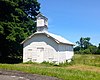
<point x="78" y="70"/>
<point x="91" y="60"/>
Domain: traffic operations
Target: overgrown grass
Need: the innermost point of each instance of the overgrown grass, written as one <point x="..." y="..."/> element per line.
<point x="90" y="59"/>
<point x="77" y="70"/>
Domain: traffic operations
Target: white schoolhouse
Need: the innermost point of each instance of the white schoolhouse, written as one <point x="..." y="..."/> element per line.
<point x="44" y="46"/>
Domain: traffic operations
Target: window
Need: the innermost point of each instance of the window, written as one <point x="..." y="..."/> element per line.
<point x="34" y="60"/>
<point x="50" y="58"/>
<point x="29" y="49"/>
<point x="40" y="49"/>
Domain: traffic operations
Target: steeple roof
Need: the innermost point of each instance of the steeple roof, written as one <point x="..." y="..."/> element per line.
<point x="42" y="16"/>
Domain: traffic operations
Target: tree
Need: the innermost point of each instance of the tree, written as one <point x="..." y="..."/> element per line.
<point x="99" y="46"/>
<point x="31" y="7"/>
<point x="17" y="21"/>
<point x="98" y="49"/>
<point x="80" y="42"/>
<point x="85" y="47"/>
<point x="77" y="48"/>
<point x="86" y="51"/>
<point x="84" y="43"/>
<point x="93" y="49"/>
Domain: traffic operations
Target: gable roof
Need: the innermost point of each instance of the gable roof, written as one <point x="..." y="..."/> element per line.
<point x="57" y="38"/>
<point x="42" y="16"/>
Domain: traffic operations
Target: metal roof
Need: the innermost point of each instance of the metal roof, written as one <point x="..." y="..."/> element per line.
<point x="57" y="38"/>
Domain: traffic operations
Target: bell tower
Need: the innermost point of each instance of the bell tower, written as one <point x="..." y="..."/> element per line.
<point x="42" y="23"/>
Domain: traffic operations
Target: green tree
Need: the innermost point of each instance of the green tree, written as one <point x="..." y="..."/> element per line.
<point x="85" y="47"/>
<point x="98" y="50"/>
<point x="80" y="42"/>
<point x="86" y="51"/>
<point x="84" y="43"/>
<point x="77" y="48"/>
<point x="17" y="21"/>
<point x="93" y="49"/>
<point x="99" y="46"/>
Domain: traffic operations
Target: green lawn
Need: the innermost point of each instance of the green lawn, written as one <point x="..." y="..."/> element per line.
<point x="77" y="70"/>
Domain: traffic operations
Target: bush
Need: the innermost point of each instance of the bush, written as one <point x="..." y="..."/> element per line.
<point x="10" y="60"/>
<point x="29" y="62"/>
<point x="98" y="51"/>
<point x="86" y="51"/>
<point x="93" y="49"/>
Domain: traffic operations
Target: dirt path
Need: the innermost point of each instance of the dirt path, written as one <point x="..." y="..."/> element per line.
<point x="16" y="75"/>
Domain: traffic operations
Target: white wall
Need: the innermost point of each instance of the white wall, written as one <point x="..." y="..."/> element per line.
<point x="31" y="49"/>
<point x="69" y="55"/>
<point x="65" y="52"/>
<point x="49" y="53"/>
<point x="62" y="57"/>
<point x="41" y="48"/>
<point x="42" y="38"/>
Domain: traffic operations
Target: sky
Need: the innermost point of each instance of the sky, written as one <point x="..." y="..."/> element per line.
<point x="73" y="19"/>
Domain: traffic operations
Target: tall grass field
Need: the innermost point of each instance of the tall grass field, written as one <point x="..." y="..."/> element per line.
<point x="83" y="67"/>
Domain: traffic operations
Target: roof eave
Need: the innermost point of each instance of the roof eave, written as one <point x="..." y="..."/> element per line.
<point x="47" y="36"/>
<point x="27" y="39"/>
<point x="68" y="43"/>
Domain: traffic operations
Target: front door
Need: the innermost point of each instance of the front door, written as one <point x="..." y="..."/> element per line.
<point x="40" y="51"/>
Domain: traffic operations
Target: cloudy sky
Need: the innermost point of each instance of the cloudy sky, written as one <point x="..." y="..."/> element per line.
<point x="73" y="19"/>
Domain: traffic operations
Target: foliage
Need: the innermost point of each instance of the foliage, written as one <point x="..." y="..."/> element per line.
<point x="99" y="46"/>
<point x="98" y="50"/>
<point x="85" y="47"/>
<point x="17" y="21"/>
<point x="93" y="49"/>
<point x="84" y="42"/>
<point x="86" y="51"/>
<point x="77" y="48"/>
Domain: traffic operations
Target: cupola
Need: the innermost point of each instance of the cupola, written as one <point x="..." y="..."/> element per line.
<point x="42" y="23"/>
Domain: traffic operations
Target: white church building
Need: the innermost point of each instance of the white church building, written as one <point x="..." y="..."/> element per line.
<point x="44" y="46"/>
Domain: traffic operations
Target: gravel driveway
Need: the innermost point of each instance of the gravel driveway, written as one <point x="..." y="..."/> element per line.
<point x="17" y="75"/>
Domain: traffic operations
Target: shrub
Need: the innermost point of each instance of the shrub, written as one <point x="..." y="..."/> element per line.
<point x="86" y="51"/>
